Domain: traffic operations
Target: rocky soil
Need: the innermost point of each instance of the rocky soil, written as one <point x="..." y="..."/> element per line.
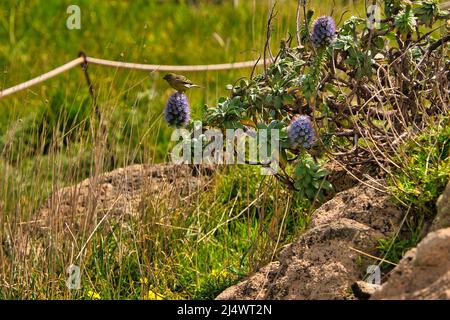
<point x="424" y="272"/>
<point x="122" y="191"/>
<point x="325" y="261"/>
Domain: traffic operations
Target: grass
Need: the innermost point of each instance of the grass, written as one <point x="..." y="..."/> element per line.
<point x="424" y="168"/>
<point x="192" y="251"/>
<point x="50" y="138"/>
<point x="421" y="175"/>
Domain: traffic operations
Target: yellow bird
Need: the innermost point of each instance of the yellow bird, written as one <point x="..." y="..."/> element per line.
<point x="179" y="82"/>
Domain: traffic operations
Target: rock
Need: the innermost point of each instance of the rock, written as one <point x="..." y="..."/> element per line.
<point x="442" y="219"/>
<point x="122" y="191"/>
<point x="363" y="204"/>
<point x="364" y="290"/>
<point x="253" y="288"/>
<point x="342" y="180"/>
<point x="121" y="194"/>
<point x="321" y="264"/>
<point x="423" y="273"/>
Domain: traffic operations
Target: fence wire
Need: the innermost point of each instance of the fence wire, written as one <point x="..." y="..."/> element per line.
<point x="126" y="65"/>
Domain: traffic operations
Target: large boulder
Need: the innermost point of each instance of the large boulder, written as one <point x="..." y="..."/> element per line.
<point x="325" y="261"/>
<point x="423" y="273"/>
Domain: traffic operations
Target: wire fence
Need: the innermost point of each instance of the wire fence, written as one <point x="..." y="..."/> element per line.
<point x="84" y="60"/>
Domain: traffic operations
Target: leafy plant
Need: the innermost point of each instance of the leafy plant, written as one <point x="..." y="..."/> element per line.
<point x="423" y="169"/>
<point x="405" y="21"/>
<point x="334" y="78"/>
<point x="310" y="179"/>
<point x="427" y="11"/>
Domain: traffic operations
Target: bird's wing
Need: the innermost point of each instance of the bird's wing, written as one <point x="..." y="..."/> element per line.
<point x="184" y="80"/>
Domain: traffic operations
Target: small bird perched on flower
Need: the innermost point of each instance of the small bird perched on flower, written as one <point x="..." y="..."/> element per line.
<point x="179" y="82"/>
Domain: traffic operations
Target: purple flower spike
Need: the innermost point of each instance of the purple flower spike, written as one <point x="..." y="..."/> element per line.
<point x="301" y="132"/>
<point x="177" y="111"/>
<point x="324" y="31"/>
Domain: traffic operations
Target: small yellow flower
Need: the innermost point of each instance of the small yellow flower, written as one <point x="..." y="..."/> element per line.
<point x="152" y="295"/>
<point x="222" y="274"/>
<point x="93" y="295"/>
<point x="143" y="280"/>
<point x="214" y="272"/>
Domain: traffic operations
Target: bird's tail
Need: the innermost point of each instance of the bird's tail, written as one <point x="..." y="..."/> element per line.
<point x="194" y="86"/>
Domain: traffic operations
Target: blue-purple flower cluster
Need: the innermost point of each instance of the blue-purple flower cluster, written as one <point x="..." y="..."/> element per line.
<point x="323" y="32"/>
<point x="177" y="111"/>
<point x="301" y="132"/>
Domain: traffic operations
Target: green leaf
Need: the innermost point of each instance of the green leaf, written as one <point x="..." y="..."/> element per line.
<point x="405" y="22"/>
<point x="300" y="171"/>
<point x="326" y="185"/>
<point x="310" y="193"/>
<point x="316" y="184"/>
